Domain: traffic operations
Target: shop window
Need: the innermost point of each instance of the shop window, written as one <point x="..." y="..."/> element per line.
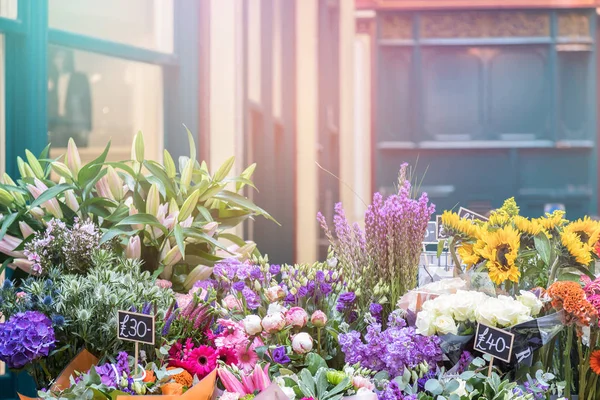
<point x="140" y="23"/>
<point x="93" y="98"/>
<point x="8" y="9"/>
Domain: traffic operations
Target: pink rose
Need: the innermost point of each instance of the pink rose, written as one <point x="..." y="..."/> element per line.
<point x="232" y="303"/>
<point x="318" y="319"/>
<point x="362" y="382"/>
<point x="302" y="343"/>
<point x="273" y="322"/>
<point x="296" y="317"/>
<point x="275" y="293"/>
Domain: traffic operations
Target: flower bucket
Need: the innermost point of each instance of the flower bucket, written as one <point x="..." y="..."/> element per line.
<point x="202" y="391"/>
<point x="82" y="362"/>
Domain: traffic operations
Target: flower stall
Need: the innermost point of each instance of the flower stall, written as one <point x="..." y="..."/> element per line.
<point x="106" y="252"/>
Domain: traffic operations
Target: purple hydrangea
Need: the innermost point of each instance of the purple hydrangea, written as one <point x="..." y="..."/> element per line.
<point x="390" y="350"/>
<point x="26" y="337"/>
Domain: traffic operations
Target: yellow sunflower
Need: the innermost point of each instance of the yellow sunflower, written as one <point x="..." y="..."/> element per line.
<point x="530" y="227"/>
<point x="500" y="249"/>
<point x="468" y="256"/>
<point x="551" y="221"/>
<point x="580" y="237"/>
<point x="453" y="224"/>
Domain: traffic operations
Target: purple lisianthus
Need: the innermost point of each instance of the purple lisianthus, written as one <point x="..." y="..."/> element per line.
<point x="239" y="286"/>
<point x="280" y="355"/>
<point x="26" y="337"/>
<point x="375" y="309"/>
<point x="345" y="301"/>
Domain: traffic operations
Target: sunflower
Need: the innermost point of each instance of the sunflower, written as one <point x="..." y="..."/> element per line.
<point x="500" y="248"/>
<point x="529" y="227"/>
<point x="595" y="361"/>
<point x="551" y="221"/>
<point x="453" y="225"/>
<point x="587" y="230"/>
<point x="582" y="252"/>
<point x="468" y="256"/>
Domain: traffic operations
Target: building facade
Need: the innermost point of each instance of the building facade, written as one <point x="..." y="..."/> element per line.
<point x="490" y="99"/>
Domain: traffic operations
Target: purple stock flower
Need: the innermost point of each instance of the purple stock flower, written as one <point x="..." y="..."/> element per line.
<point x="390" y="350"/>
<point x="280" y="355"/>
<point x="252" y="299"/>
<point x="26" y="337"/>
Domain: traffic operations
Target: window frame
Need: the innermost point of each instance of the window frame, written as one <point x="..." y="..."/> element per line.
<point x="26" y="47"/>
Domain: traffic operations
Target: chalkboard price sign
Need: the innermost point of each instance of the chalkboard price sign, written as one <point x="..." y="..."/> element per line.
<point x="135" y="327"/>
<point x="430" y="233"/>
<point x="493" y="341"/>
<point x="439" y="228"/>
<point x="472" y="215"/>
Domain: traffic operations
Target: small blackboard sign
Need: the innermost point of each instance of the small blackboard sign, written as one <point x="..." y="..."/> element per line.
<point x="439" y="231"/>
<point x="135" y="327"/>
<point x="498" y="343"/>
<point x="430" y="233"/>
<point x="472" y="215"/>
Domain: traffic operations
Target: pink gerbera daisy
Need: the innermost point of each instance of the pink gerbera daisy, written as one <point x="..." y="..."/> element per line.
<point x="228" y="356"/>
<point x="247" y="358"/>
<point x="201" y="361"/>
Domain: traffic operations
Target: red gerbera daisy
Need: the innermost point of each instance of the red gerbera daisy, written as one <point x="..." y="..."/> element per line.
<point x="595" y="362"/>
<point x="228" y="356"/>
<point x="201" y="361"/>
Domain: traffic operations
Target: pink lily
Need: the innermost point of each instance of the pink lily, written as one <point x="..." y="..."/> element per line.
<point x="52" y="205"/>
<point x="8" y="244"/>
<point x="26" y="230"/>
<point x="230" y="382"/>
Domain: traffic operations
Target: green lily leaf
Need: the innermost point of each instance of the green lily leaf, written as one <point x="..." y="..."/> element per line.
<point x="89" y="171"/>
<point x="50" y="194"/>
<point x="6" y="223"/>
<point x="145" y="219"/>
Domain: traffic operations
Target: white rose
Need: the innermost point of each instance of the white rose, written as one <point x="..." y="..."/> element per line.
<point x="252" y="325"/>
<point x="487" y="312"/>
<point x="276" y="308"/>
<point x="424" y="323"/>
<point x="462" y="388"/>
<point x="513" y="313"/>
<point x="445" y="324"/>
<point x="530" y="301"/>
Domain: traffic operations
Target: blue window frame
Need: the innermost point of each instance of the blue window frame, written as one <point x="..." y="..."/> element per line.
<point x="27" y="39"/>
<point x="26" y="89"/>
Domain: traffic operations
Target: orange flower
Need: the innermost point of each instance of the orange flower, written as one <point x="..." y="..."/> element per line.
<point x="172" y="388"/>
<point x="150" y="377"/>
<point x="183" y="378"/>
<point x="595" y="362"/>
<point x="569" y="296"/>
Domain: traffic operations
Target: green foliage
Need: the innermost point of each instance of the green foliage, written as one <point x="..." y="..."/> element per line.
<point x="178" y="214"/>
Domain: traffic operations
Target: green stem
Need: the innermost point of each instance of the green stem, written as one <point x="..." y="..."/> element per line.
<point x="319" y="341"/>
<point x="582" y="369"/>
<point x="592" y="392"/>
<point x="457" y="268"/>
<point x="567" y="355"/>
<point x="553" y="271"/>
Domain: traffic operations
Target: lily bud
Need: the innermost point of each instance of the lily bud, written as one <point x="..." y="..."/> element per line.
<point x="133" y="249"/>
<point x="62" y="170"/>
<point x="103" y="188"/>
<point x="189" y="205"/>
<point x="115" y="183"/>
<point x="73" y="160"/>
<point x="5" y="198"/>
<point x="173" y="256"/>
<point x="211" y="228"/>
<point x="24" y="169"/>
<point x="71" y="200"/>
<point x="173" y="207"/>
<point x="34" y="165"/>
<point x="19" y="199"/>
<point x="200" y="273"/>
<point x="37" y="213"/>
<point x="26" y="230"/>
<point x="186" y="175"/>
<point x="153" y="200"/>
